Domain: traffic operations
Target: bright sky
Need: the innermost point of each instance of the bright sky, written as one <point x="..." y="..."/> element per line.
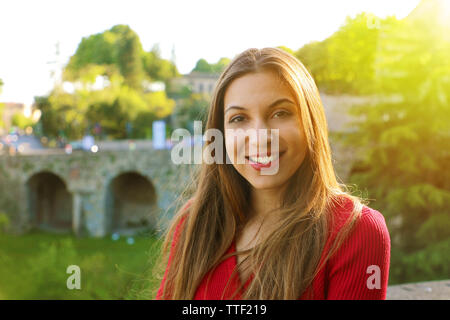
<point x="208" y="29"/>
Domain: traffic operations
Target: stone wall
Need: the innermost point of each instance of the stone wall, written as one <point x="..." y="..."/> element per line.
<point x="431" y="290"/>
<point x="89" y="179"/>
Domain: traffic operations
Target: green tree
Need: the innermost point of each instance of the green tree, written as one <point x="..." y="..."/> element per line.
<point x="2" y="106"/>
<point x="220" y="65"/>
<point x="314" y="56"/>
<point x="95" y="49"/>
<point x="404" y="140"/>
<point x="129" y="56"/>
<point x="193" y="108"/>
<point x="120" y="47"/>
<point x="157" y="68"/>
<point x="117" y="57"/>
<point x="288" y="50"/>
<point x="49" y="118"/>
<point x="112" y="107"/>
<point x="344" y="62"/>
<point x="60" y="113"/>
<point x="20" y="121"/>
<point x="204" y="66"/>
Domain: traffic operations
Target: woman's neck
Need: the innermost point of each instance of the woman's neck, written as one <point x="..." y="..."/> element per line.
<point x="262" y="201"/>
<point x="260" y="217"/>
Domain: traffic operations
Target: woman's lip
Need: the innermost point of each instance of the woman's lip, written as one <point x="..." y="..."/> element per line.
<point x="257" y="166"/>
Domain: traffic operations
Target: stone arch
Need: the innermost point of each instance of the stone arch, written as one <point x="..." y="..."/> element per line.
<point x="131" y="202"/>
<point x="49" y="202"/>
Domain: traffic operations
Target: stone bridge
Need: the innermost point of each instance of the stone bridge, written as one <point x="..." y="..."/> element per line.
<point x="89" y="193"/>
<point x="96" y="193"/>
<point x="118" y="189"/>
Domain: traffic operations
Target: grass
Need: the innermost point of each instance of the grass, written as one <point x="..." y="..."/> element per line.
<point x="33" y="266"/>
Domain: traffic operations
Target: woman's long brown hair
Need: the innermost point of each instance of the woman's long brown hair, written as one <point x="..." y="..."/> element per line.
<point x="218" y="209"/>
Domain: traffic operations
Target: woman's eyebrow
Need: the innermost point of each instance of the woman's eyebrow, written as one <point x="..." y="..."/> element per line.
<point x="273" y="104"/>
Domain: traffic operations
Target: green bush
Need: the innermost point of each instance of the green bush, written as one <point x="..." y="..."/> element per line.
<point x="431" y="263"/>
<point x="33" y="266"/>
<point x="435" y="229"/>
<point x="4" y="222"/>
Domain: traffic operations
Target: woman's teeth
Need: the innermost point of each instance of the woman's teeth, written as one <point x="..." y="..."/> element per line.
<point x="262" y="160"/>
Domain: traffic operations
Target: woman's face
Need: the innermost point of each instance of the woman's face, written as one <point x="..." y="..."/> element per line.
<point x="249" y="104"/>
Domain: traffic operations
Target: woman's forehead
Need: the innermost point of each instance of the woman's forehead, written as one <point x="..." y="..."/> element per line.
<point x="256" y="88"/>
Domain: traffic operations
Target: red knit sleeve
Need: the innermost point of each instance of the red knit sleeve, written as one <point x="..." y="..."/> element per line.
<point x="360" y="267"/>
<point x="172" y="248"/>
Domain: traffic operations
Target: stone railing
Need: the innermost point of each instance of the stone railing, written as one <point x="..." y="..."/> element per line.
<point x="432" y="290"/>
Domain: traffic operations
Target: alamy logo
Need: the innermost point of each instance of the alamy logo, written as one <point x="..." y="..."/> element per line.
<point x="257" y="141"/>
<point x="374" y="281"/>
<point x="74" y="280"/>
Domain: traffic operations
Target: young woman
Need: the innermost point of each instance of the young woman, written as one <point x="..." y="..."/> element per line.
<point x="296" y="234"/>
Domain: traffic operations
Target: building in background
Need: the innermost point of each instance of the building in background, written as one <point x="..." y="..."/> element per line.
<point x="198" y="82"/>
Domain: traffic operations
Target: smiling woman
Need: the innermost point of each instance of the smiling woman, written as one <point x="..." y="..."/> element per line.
<point x="296" y="234"/>
<point x="256" y="91"/>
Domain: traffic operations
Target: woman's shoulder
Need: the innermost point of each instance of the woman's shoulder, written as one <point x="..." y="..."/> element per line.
<point x="373" y="225"/>
<point x="369" y="227"/>
<point x="363" y="255"/>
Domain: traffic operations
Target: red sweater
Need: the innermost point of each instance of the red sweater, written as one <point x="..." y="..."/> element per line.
<point x="358" y="270"/>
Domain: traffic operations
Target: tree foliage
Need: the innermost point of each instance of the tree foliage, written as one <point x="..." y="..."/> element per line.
<point x="404" y="140"/>
<point x="116" y="59"/>
<point x="157" y="68"/>
<point x="189" y="109"/>
<point x="113" y="108"/>
<point x="2" y="106"/>
<point x="401" y="138"/>
<point x="344" y="62"/>
<point x="121" y="47"/>
<point x="204" y="66"/>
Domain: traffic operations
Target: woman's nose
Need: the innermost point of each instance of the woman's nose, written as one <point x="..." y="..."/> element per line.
<point x="260" y="124"/>
<point x="260" y="136"/>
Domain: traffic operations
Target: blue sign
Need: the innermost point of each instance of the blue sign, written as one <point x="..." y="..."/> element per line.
<point x="87" y="142"/>
<point x="159" y="134"/>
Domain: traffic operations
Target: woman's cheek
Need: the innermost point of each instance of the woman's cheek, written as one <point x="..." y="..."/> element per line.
<point x="231" y="149"/>
<point x="298" y="142"/>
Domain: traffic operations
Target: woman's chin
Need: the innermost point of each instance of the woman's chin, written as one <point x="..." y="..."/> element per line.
<point x="265" y="182"/>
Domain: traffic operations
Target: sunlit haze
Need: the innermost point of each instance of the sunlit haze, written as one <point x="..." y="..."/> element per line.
<point x="195" y="29"/>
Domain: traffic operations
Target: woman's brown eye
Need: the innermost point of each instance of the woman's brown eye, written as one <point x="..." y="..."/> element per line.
<point x="283" y="113"/>
<point x="235" y="118"/>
